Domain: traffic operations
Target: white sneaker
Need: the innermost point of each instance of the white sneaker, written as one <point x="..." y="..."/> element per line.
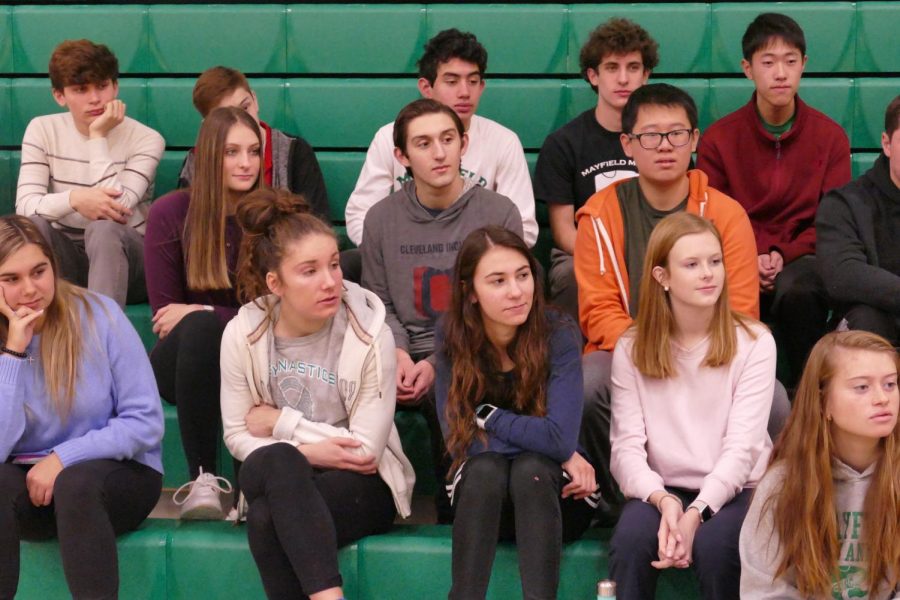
<point x="202" y="499"/>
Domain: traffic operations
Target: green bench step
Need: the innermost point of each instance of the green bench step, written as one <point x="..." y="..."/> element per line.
<point x="186" y="560"/>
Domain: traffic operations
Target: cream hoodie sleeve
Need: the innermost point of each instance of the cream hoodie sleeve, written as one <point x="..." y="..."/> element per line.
<point x="370" y="421"/>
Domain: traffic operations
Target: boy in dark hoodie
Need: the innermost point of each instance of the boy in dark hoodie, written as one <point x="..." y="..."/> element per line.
<point x="858" y="256"/>
<point x="410" y="242"/>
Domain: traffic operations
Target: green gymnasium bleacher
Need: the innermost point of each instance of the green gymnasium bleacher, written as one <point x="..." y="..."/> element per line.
<point x="334" y="73"/>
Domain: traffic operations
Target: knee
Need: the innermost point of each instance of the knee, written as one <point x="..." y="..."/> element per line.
<point x="202" y="330"/>
<point x="869" y="318"/>
<point x="103" y="235"/>
<point x="12" y="483"/>
<point x="714" y="554"/>
<point x="75" y="488"/>
<point x="635" y="535"/>
<point x="43" y="225"/>
<point x="487" y="472"/>
<point x="532" y="473"/>
<point x="259" y="516"/>
<point x="270" y="465"/>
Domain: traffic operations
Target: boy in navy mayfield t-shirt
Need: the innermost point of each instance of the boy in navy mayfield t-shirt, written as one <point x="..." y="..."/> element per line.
<point x="585" y="155"/>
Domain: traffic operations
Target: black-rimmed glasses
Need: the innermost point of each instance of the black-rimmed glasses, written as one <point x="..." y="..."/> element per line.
<point x="652" y="140"/>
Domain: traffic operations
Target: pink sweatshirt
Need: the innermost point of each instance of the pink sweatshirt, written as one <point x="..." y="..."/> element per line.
<point x="704" y="429"/>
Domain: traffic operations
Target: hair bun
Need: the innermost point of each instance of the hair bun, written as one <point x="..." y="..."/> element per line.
<point x="260" y="209"/>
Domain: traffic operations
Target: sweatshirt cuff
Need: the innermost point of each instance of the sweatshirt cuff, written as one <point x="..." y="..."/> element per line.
<point x="286" y="424"/>
<point x="72" y="452"/>
<point x="714" y="494"/>
<point x="9" y="368"/>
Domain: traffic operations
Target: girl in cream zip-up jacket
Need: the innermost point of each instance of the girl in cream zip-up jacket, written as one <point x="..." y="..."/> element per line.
<point x="368" y="346"/>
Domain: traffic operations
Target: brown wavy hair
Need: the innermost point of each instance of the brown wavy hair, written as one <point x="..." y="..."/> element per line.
<point x="204" y="255"/>
<point x="655" y="323"/>
<point x="62" y="333"/>
<point x="473" y="357"/>
<point x="803" y="506"/>
<point x="271" y="220"/>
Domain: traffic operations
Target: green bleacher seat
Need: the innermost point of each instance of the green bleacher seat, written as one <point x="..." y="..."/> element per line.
<point x="533" y="108"/>
<point x="682" y="34"/>
<point x="167" y="172"/>
<point x="171" y="112"/>
<point x="427" y="549"/>
<point x="142" y="565"/>
<point x="186" y="560"/>
<point x="338" y="38"/>
<point x="833" y="96"/>
<point x="344" y="113"/>
<point x="213" y="560"/>
<point x="829" y="27"/>
<point x="530" y="39"/>
<point x="872" y="99"/>
<point x="340" y="170"/>
<point x="862" y="162"/>
<point x="877" y="42"/>
<point x="140" y="317"/>
<point x="249" y="37"/>
<point x="37" y="31"/>
<point x="6" y="59"/>
<point x="6" y="110"/>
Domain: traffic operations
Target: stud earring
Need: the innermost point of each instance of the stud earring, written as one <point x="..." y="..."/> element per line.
<point x="666" y="288"/>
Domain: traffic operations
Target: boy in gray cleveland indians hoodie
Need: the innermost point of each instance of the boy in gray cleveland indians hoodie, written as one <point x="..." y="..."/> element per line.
<point x="409" y="246"/>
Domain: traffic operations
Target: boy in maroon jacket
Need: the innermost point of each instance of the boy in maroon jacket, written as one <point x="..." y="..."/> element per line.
<point x="777" y="156"/>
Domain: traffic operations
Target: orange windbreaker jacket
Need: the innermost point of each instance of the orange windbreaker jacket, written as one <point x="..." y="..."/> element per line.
<point x="601" y="273"/>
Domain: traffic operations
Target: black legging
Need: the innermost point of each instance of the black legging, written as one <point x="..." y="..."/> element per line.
<point x="498" y="498"/>
<point x="93" y="502"/>
<point x="299" y="516"/>
<point x="186" y="365"/>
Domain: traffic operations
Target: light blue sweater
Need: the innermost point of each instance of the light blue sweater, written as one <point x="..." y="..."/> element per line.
<point x="116" y="412"/>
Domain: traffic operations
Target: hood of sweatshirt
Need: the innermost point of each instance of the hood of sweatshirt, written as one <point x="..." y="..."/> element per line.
<point x="880" y="176"/>
<point x="418" y="214"/>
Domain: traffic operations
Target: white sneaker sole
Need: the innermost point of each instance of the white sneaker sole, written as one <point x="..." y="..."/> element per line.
<point x="203" y="513"/>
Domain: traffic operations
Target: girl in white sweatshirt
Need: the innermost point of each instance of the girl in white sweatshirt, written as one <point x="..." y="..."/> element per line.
<point x="308" y="398"/>
<point x="692" y="391"/>
<point x="825" y="520"/>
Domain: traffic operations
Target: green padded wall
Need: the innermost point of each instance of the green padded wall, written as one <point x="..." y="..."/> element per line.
<point x="344" y="113"/>
<point x="683" y="34"/>
<point x="829" y="27"/>
<point x="862" y="162"/>
<point x="6" y="56"/>
<point x="341" y="39"/>
<point x="873" y="96"/>
<point x="7" y="185"/>
<point x="877" y="39"/>
<point x="529" y="39"/>
<point x="249" y="37"/>
<point x="38" y="29"/>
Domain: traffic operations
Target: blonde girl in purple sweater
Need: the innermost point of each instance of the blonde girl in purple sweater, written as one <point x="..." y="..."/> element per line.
<point x="692" y="391"/>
